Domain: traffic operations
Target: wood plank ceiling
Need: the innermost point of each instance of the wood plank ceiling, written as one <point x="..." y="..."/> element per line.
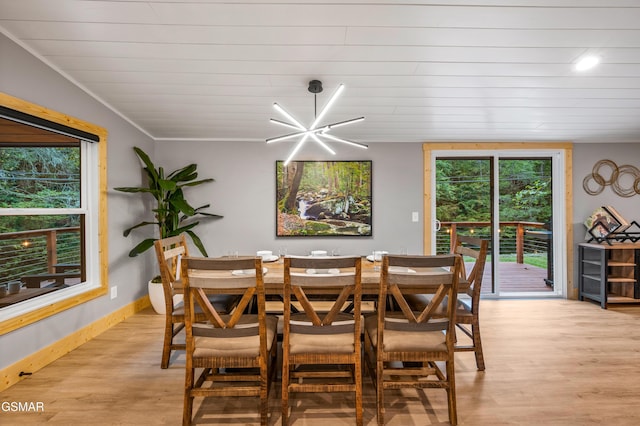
<point x="418" y="71"/>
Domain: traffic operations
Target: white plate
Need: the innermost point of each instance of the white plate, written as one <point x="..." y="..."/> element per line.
<point x="247" y="272"/>
<point x="323" y="271"/>
<point x="401" y="270"/>
<point x="271" y="258"/>
<point x="370" y="258"/>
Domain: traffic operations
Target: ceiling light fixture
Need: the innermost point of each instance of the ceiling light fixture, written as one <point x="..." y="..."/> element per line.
<point x="315" y="131"/>
<point x="587" y="63"/>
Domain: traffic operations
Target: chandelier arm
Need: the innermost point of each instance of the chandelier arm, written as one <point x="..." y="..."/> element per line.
<point x="296" y="149"/>
<point x="288" y="116"/>
<point x="322" y="144"/>
<point x="343" y="123"/>
<point x="327" y="107"/>
<point x="285" y="137"/>
<point x="284" y="123"/>
<point x="333" y="138"/>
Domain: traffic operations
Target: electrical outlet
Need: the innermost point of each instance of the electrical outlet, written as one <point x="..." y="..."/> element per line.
<point x="414" y="216"/>
<point x="114" y="292"/>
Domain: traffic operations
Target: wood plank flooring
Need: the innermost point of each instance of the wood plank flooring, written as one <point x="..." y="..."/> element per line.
<point x="517" y="278"/>
<point x="549" y="362"/>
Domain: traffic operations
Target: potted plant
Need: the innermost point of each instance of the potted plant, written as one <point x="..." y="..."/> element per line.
<point x="173" y="214"/>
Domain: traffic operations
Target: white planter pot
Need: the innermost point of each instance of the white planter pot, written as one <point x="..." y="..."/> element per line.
<point x="156" y="295"/>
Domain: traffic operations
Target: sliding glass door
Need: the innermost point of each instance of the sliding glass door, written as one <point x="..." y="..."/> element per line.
<point x="507" y="198"/>
<point x="464" y="206"/>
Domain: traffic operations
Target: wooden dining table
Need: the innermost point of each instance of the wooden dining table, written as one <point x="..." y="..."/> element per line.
<point x="370" y="277"/>
<point x="274" y="278"/>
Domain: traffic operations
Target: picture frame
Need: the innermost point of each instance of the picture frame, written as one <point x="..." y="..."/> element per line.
<point x="624" y="224"/>
<point x="601" y="223"/>
<point x="324" y="199"/>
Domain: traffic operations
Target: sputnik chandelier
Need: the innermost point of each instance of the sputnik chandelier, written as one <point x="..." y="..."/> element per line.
<point x="316" y="131"/>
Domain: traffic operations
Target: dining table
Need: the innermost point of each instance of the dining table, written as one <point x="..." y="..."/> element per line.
<point x="370" y="278"/>
<point x="273" y="279"/>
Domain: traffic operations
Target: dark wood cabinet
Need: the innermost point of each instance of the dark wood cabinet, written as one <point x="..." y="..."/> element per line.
<point x="609" y="273"/>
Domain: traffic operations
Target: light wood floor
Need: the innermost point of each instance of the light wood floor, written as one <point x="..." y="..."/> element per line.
<point x="549" y="362"/>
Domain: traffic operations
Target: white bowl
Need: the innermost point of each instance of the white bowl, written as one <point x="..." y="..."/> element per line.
<point x="318" y="253"/>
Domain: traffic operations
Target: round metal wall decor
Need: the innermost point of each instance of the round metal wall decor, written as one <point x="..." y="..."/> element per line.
<point x="617" y="178"/>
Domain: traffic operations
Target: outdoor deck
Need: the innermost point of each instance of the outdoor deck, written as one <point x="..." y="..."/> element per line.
<point x="517" y="277"/>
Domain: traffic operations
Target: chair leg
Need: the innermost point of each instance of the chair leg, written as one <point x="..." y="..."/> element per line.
<point x="477" y="346"/>
<point x="285" y="391"/>
<point x="358" y="383"/>
<point x="451" y="393"/>
<point x="379" y="380"/>
<point x="166" y="347"/>
<point x="188" y="398"/>
<point x="264" y="393"/>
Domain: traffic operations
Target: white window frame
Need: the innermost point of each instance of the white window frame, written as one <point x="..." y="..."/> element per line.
<point x="89" y="208"/>
<point x="93" y="207"/>
<point x="561" y="152"/>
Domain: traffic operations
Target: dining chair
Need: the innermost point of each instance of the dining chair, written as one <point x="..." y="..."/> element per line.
<point x="321" y="344"/>
<point x="403" y="347"/>
<point x="468" y="310"/>
<point x="237" y="351"/>
<point x="169" y="251"/>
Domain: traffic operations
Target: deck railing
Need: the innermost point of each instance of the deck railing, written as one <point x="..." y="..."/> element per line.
<point x="38" y="251"/>
<point x="515" y="236"/>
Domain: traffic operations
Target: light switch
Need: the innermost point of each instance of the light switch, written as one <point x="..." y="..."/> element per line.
<point x="414" y="216"/>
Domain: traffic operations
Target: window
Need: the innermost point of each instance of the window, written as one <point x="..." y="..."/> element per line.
<point x="51" y="178"/>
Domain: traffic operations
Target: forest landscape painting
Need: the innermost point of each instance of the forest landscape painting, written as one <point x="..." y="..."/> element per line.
<point x="323" y="198"/>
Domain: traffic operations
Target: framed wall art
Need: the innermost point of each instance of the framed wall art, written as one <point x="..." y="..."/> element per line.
<point x="323" y="199"/>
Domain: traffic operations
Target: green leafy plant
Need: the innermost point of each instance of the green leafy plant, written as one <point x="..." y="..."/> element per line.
<point x="173" y="213"/>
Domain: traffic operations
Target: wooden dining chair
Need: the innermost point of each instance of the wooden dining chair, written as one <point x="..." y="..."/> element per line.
<point x="468" y="310"/>
<point x="169" y="251"/>
<point x="237" y="351"/>
<point x="403" y="347"/>
<point x="321" y="348"/>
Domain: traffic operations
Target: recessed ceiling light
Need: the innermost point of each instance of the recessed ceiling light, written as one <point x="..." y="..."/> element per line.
<point x="587" y="63"/>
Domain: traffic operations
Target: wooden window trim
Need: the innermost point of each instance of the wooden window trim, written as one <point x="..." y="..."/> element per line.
<point x="566" y="147"/>
<point x="63" y="119"/>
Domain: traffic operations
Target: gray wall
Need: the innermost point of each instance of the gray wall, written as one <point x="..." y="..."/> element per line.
<point x="26" y="77"/>
<point x="244" y="193"/>
<point x="584" y="158"/>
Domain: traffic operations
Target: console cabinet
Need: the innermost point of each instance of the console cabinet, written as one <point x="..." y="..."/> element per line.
<point x="609" y="273"/>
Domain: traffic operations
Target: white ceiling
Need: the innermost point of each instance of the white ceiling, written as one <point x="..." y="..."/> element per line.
<point x="457" y="70"/>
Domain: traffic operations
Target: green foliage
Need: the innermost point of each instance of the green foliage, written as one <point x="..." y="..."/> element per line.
<point x="173" y="214"/>
<point x="39" y="177"/>
<point x="340" y="178"/>
<point x="525" y="190"/>
<point x="42" y="177"/>
<point x="464" y="190"/>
